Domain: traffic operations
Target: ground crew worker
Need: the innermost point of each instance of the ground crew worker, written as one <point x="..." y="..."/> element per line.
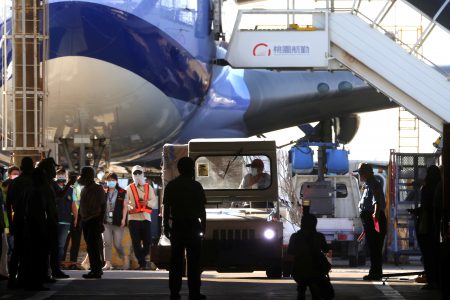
<point x="311" y="268"/>
<point x="371" y="211"/>
<point x="184" y="224"/>
<point x="13" y="173"/>
<point x="15" y="206"/>
<point x="3" y="250"/>
<point x="141" y="199"/>
<point x="8" y="240"/>
<point x="49" y="193"/>
<point x="92" y="212"/>
<point x="115" y="221"/>
<point x="257" y="179"/>
<point x="67" y="210"/>
<point x="75" y="227"/>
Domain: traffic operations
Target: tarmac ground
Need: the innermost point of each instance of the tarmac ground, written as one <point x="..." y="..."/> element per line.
<point x="117" y="284"/>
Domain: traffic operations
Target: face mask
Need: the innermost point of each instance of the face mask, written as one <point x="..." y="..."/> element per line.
<point x="14" y="176"/>
<point x="111" y="184"/>
<point x="254" y="172"/>
<point x="139" y="179"/>
<point x="61" y="178"/>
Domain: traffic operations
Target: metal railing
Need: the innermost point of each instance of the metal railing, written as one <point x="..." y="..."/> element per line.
<point x="375" y="22"/>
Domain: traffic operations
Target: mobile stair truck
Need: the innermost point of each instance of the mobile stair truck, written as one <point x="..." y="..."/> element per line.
<point x="333" y="197"/>
<point x="243" y="230"/>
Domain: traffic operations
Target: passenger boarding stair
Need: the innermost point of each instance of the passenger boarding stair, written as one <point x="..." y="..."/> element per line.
<point x="345" y="37"/>
<point x="419" y="88"/>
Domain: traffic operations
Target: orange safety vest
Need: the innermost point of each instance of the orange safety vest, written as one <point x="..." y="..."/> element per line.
<point x="138" y="208"/>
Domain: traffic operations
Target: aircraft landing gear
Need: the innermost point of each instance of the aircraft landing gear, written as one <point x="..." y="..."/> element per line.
<point x="84" y="151"/>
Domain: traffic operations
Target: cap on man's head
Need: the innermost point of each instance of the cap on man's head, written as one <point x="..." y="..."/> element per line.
<point x="256" y="163"/>
<point x="137" y="168"/>
<point x="365" y="168"/>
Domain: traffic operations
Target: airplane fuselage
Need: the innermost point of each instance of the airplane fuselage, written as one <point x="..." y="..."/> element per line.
<point x="140" y="73"/>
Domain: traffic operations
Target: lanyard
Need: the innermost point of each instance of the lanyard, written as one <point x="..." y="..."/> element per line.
<point x="110" y="197"/>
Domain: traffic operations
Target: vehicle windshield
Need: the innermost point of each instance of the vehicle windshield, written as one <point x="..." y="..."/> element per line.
<point x="233" y="172"/>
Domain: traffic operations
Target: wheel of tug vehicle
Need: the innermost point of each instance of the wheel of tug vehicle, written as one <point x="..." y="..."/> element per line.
<point x="352" y="261"/>
<point x="184" y="273"/>
<point x="355" y="261"/>
<point x="274" y="272"/>
<point x="287" y="269"/>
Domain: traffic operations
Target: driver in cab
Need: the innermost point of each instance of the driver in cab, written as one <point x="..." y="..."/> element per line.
<point x="257" y="179"/>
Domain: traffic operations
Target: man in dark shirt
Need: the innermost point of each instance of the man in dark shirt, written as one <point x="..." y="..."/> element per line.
<point x="3" y="256"/>
<point x="66" y="207"/>
<point x="310" y="269"/>
<point x="371" y="211"/>
<point x="184" y="223"/>
<point x="15" y="204"/>
<point x="48" y="166"/>
<point x="92" y="212"/>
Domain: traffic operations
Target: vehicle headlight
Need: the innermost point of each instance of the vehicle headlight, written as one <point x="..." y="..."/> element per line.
<point x="269" y="234"/>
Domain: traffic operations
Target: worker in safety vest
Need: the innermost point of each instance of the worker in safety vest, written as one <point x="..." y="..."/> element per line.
<point x="141" y="199"/>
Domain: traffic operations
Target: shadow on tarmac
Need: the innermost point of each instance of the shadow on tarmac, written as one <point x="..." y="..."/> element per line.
<point x="154" y="285"/>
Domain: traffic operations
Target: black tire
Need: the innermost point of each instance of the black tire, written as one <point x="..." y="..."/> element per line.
<point x="355" y="261"/>
<point x="361" y="260"/>
<point x="352" y="261"/>
<point x="184" y="273"/>
<point x="274" y="272"/>
<point x="287" y="269"/>
<point x="396" y="259"/>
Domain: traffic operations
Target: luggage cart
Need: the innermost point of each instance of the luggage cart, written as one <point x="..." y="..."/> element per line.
<point x="410" y="170"/>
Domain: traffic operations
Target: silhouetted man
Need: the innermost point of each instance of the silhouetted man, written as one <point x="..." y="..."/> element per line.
<point x="92" y="211"/>
<point x="39" y="227"/>
<point x="15" y="204"/>
<point x="184" y="224"/>
<point x="48" y="165"/>
<point x="75" y="227"/>
<point x="371" y="211"/>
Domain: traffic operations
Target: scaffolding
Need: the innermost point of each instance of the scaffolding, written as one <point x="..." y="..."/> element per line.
<point x="24" y="77"/>
<point x="408" y="132"/>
